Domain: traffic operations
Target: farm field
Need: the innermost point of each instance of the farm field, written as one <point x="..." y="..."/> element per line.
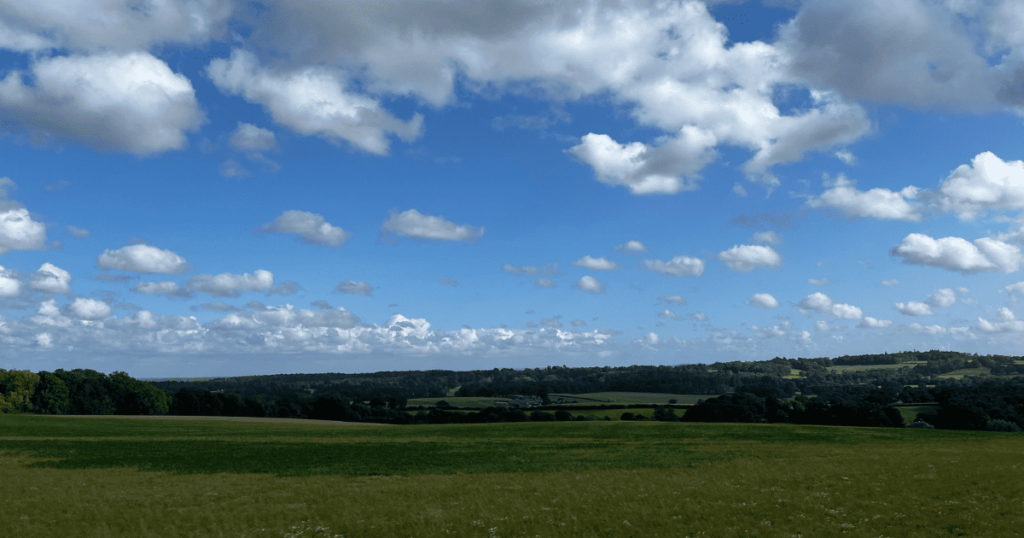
<point x="862" y="367"/>
<point x="596" y="398"/>
<point x="910" y="412"/>
<point x="459" y="401"/>
<point x="121" y="476"/>
<point x="966" y="372"/>
<point x="628" y="398"/>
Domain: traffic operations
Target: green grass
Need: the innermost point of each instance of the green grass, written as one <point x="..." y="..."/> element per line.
<point x="459" y="401"/>
<point x="595" y="398"/>
<point x="863" y="367"/>
<point x="966" y="372"/>
<point x="910" y="412"/>
<point x="628" y="398"/>
<point x="118" y="476"/>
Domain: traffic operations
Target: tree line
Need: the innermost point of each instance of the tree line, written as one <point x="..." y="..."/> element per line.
<point x="79" y="392"/>
<point x="751" y="392"/>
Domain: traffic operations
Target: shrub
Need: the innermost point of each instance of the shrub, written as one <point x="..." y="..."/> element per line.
<point x="541" y="416"/>
<point x="1000" y="425"/>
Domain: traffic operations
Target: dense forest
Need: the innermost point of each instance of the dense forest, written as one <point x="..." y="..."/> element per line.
<point x="809" y="391"/>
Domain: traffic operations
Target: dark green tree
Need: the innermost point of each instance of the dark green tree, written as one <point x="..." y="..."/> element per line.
<point x="51" y="396"/>
<point x="90" y="394"/>
<point x="134" y="397"/>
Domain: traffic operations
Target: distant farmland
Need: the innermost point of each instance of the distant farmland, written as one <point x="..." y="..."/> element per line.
<point x="629" y="398"/>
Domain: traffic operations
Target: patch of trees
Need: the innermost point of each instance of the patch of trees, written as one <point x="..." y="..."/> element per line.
<point x="384" y="385"/>
<point x="1000" y="364"/>
<point x="986" y="405"/>
<point x="79" y="392"/>
<point x="898" y="358"/>
<point x="746" y="407"/>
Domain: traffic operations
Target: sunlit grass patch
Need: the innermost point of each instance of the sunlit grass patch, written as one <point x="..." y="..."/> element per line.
<point x="626" y="398"/>
<point x="460" y="401"/>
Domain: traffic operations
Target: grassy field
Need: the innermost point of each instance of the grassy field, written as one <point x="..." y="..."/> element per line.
<point x="595" y="398"/>
<point x="862" y="367"/>
<point x="966" y="372"/>
<point x="459" y="401"/>
<point x="87" y="477"/>
<point x="910" y="412"/>
<point x="629" y="398"/>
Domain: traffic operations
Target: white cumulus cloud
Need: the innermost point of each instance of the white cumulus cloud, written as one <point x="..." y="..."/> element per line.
<point x="631" y="247"/>
<point x="943" y="298"/>
<point x="823" y="304"/>
<point x="51" y="279"/>
<point x="745" y="258"/>
<point x="914" y="308"/>
<point x="142" y="259"/>
<point x="1005" y="322"/>
<point x="596" y="264"/>
<point x="762" y="300"/>
<point x="231" y="285"/>
<point x="673" y="299"/>
<point x="17" y="229"/>
<point x="103" y="101"/>
<point x="589" y="284"/>
<point x="845" y="311"/>
<point x="10" y="286"/>
<point x="412" y="223"/>
<point x="89" y="309"/>
<point x="249" y="138"/>
<point x="165" y="288"/>
<point x="871" y="323"/>
<point x="876" y="203"/>
<point x="665" y="169"/>
<point x="928" y="329"/>
<point x="19" y="232"/>
<point x="669" y="314"/>
<point x="312" y="101"/>
<point x="678" y="266"/>
<point x="988" y="183"/>
<point x="312" y="228"/>
<point x="959" y="255"/>
<point x="671" y="62"/>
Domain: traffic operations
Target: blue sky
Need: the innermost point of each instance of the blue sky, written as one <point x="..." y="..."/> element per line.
<point x="225" y="188"/>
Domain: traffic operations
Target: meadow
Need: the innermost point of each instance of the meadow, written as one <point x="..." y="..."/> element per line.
<point x="629" y="398"/>
<point x="176" y="476"/>
<point x="568" y="400"/>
